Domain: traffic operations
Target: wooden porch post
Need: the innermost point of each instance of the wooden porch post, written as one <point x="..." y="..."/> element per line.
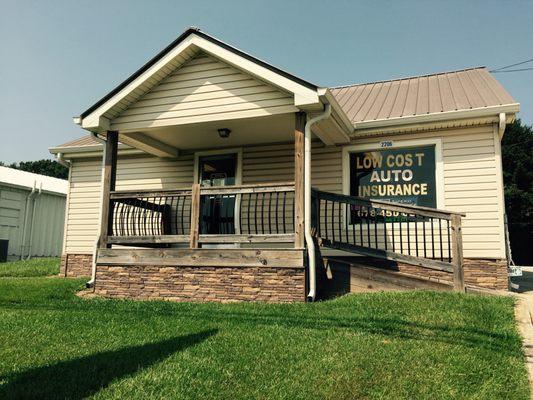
<point x="195" y="216"/>
<point x="457" y="253"/>
<point x="108" y="185"/>
<point x="299" y="128"/>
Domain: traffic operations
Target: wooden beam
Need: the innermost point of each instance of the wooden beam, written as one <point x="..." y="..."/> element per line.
<point x="148" y="239"/>
<point x="457" y="254"/>
<point x="158" y="239"/>
<point x="299" y="128"/>
<point x="254" y="238"/>
<point x="108" y="185"/>
<point x="148" y="144"/>
<point x="195" y="216"/>
<point x="262" y="258"/>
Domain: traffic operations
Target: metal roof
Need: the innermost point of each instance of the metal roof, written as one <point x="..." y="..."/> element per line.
<point x="81" y="142"/>
<point x="420" y="95"/>
<point x="29" y="180"/>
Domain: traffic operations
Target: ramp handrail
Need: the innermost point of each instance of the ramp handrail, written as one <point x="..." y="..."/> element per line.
<point x="421" y="236"/>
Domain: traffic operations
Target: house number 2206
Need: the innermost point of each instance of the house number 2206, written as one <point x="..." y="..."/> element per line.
<point x="385" y="143"/>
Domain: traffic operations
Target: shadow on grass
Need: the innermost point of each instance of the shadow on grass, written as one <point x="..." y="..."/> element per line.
<point x="83" y="377"/>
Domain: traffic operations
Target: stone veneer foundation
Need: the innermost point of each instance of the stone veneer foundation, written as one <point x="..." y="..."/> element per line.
<point x="220" y="284"/>
<point x="484" y="273"/>
<point x="76" y="265"/>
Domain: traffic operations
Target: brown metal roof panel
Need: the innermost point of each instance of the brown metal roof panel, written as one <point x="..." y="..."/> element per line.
<point x="461" y="101"/>
<point x="369" y="104"/>
<point x="354" y="95"/>
<point x="374" y="112"/>
<point x="434" y="100"/>
<point x="489" y="98"/>
<point x="401" y="97"/>
<point x="422" y="100"/>
<point x="355" y="105"/>
<point x="446" y="94"/>
<point x="83" y="141"/>
<point x="474" y="98"/>
<point x="340" y="95"/>
<point x="347" y="94"/>
<point x="388" y="103"/>
<point x="500" y="93"/>
<point x="411" y="98"/>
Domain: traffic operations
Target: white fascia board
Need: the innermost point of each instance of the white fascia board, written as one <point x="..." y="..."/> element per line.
<point x="97" y="124"/>
<point x="441" y="116"/>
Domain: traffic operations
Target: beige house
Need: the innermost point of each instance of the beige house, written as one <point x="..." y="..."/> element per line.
<point x="211" y="175"/>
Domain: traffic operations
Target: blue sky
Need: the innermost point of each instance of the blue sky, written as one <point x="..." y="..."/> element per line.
<point x="59" y="57"/>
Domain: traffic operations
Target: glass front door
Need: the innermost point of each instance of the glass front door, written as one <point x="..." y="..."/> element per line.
<point x="217" y="214"/>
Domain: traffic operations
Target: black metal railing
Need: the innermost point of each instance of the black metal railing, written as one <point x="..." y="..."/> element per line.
<point x="413" y="234"/>
<point x="244" y="212"/>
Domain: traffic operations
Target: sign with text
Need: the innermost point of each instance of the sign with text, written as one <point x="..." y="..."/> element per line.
<point x="404" y="175"/>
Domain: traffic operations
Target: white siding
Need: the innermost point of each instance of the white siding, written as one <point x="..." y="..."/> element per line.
<point x="203" y="89"/>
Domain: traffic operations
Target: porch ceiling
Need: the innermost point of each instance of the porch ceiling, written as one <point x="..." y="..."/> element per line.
<point x="271" y="129"/>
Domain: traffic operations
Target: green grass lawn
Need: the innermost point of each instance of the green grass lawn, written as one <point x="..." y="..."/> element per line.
<point x="32" y="267"/>
<point x="380" y="346"/>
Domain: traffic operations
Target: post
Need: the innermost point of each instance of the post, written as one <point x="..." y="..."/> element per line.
<point x="457" y="253"/>
<point x="195" y="216"/>
<point x="109" y="178"/>
<point x="299" y="128"/>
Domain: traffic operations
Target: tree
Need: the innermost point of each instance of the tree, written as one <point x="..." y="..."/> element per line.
<point x="43" y="167"/>
<point x="517" y="160"/>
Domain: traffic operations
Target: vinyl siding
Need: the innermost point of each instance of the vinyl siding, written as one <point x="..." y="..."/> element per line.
<point x="471" y="171"/>
<point x="203" y="89"/>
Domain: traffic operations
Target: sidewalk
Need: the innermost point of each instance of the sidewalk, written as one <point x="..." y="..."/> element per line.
<point x="524" y="316"/>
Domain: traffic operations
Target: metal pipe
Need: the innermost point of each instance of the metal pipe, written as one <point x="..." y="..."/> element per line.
<point x="90" y="283"/>
<point x="307" y="200"/>
<point x="62" y="161"/>
<point x="28" y="198"/>
<point x="33" y="219"/>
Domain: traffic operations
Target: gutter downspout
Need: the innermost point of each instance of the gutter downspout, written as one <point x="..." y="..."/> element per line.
<point x="33" y="219"/>
<point x="97" y="242"/>
<point x="62" y="161"/>
<point x="307" y="200"/>
<point x="28" y="198"/>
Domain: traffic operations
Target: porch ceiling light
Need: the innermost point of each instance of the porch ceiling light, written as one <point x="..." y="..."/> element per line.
<point x="224" y="132"/>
